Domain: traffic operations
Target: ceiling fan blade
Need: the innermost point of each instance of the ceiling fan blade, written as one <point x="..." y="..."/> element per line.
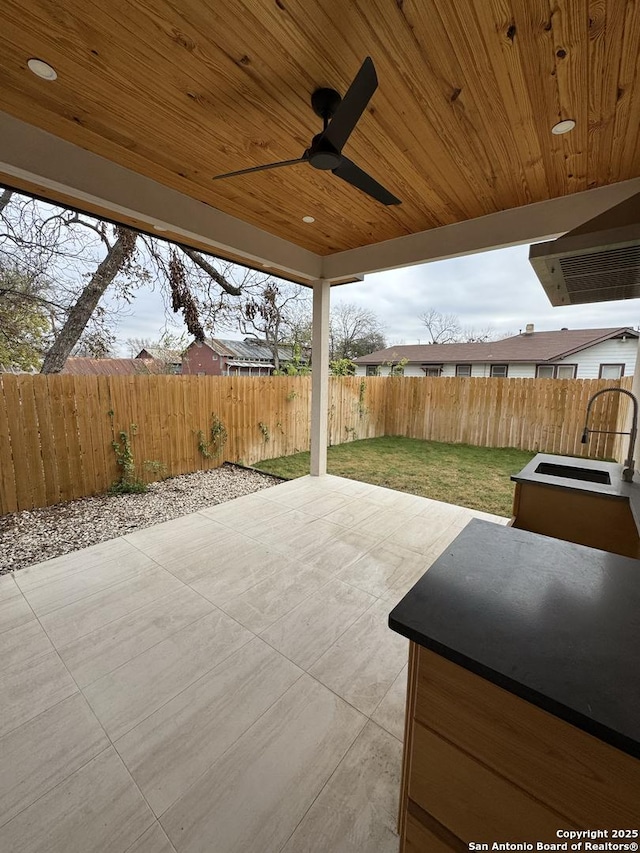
<point x="260" y="168"/>
<point x="354" y="175"/>
<point x="352" y="105"/>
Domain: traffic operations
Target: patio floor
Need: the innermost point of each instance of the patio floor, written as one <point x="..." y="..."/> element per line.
<point x="224" y="682"/>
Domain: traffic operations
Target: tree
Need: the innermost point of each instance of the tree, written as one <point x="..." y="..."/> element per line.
<point x="442" y="328"/>
<point x="269" y="312"/>
<point x="24" y="319"/>
<point x="168" y="340"/>
<point x="447" y="329"/>
<point x="354" y="331"/>
<point x="342" y="367"/>
<point x="94" y="267"/>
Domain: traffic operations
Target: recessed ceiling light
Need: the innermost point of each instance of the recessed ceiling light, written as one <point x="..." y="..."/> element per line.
<point x="563" y="126"/>
<point x="160" y="228"/>
<point x="42" y="69"/>
<point x="308" y="219"/>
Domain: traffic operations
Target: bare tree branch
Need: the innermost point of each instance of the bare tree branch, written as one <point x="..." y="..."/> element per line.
<point x="219" y="279"/>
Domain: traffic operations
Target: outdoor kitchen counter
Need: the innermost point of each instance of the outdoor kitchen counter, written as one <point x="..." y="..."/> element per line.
<point x="523" y="706"/>
<point x="600" y="515"/>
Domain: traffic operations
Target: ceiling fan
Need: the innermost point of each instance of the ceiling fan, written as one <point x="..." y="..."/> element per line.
<point x="340" y="116"/>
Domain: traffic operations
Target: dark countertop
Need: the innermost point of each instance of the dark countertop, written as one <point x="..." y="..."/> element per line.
<point x="555" y="623"/>
<point x="617" y="490"/>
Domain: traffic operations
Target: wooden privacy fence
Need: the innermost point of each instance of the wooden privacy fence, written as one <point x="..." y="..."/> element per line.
<point x="56" y="432"/>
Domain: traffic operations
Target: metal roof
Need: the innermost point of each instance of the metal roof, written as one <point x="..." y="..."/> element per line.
<point x="262" y="364"/>
<point x="248" y="349"/>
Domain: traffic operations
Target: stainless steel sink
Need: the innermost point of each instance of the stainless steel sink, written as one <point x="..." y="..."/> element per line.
<point x="570" y="472"/>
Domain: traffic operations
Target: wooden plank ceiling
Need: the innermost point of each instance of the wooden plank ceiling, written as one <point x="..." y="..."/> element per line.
<point x="182" y="90"/>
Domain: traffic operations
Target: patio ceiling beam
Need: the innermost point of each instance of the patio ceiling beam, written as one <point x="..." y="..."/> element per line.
<point x="529" y="224"/>
<point x="39" y="162"/>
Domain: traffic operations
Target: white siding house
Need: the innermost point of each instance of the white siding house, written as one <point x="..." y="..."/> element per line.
<point x="563" y="354"/>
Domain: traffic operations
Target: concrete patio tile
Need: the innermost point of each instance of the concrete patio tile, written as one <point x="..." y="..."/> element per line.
<point x="364" y="662"/>
<point x="343" y="548"/>
<point x="385" y="569"/>
<point x="239" y="513"/>
<point x="401" y="501"/>
<point x="226" y="552"/>
<point x="64" y="590"/>
<point x="96" y="654"/>
<point x="354" y="513"/>
<point x="169" y="541"/>
<point x="98" y="809"/>
<point x="46" y="750"/>
<point x="390" y="712"/>
<point x="278" y="530"/>
<point x="305" y="633"/>
<point x="154" y="840"/>
<point x="14" y="611"/>
<point x="327" y="503"/>
<point x="354" y="488"/>
<point x="171" y="749"/>
<point x="86" y="615"/>
<point x="252" y="799"/>
<point x="295" y="496"/>
<point x="26" y="691"/>
<point x="266" y="602"/>
<point x="139" y="687"/>
<point x="8" y="587"/>
<point x="357" y="809"/>
<point x="420" y="532"/>
<point x="239" y="565"/>
<point x="383" y="523"/>
<point x="20" y="645"/>
<point x="114" y="550"/>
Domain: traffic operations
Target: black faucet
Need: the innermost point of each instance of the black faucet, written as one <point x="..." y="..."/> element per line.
<point x="629" y="464"/>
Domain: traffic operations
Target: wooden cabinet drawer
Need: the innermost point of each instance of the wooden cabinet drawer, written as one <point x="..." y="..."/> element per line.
<point x="419" y="839"/>
<point x="568" y="770"/>
<point x="469" y="800"/>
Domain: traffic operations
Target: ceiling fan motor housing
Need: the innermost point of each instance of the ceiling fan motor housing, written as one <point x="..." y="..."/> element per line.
<point x="322" y="154"/>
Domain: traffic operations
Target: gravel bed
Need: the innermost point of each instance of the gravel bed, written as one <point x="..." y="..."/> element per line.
<point x="33" y="536"/>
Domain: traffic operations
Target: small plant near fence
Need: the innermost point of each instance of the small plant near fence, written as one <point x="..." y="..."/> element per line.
<point x="362" y="409"/>
<point x="212" y="446"/>
<point x="264" y="429"/>
<point x="129" y="483"/>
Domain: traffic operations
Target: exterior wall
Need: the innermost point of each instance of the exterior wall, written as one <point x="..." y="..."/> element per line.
<point x="410" y="370"/>
<point x="608" y="352"/>
<point x="516" y="371"/>
<point x="200" y="358"/>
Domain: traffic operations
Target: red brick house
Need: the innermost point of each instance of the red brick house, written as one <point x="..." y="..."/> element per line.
<point x="217" y="357"/>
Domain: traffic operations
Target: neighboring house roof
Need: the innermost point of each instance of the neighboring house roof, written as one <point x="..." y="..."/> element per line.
<point x="535" y="347"/>
<point x="110" y="367"/>
<point x="168" y="356"/>
<point x="248" y="350"/>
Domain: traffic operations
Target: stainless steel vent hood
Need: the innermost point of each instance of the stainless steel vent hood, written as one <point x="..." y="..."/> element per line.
<point x="596" y="262"/>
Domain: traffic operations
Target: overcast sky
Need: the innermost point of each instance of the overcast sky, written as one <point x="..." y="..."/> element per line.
<point x="497" y="289"/>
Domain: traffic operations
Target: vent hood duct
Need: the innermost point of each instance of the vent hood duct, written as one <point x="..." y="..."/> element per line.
<point x="596" y="262"/>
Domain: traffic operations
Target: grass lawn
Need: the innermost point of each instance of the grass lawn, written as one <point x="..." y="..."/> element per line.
<point x="476" y="477"/>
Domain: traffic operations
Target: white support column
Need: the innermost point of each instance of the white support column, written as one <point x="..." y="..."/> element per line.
<point x="320" y="377"/>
